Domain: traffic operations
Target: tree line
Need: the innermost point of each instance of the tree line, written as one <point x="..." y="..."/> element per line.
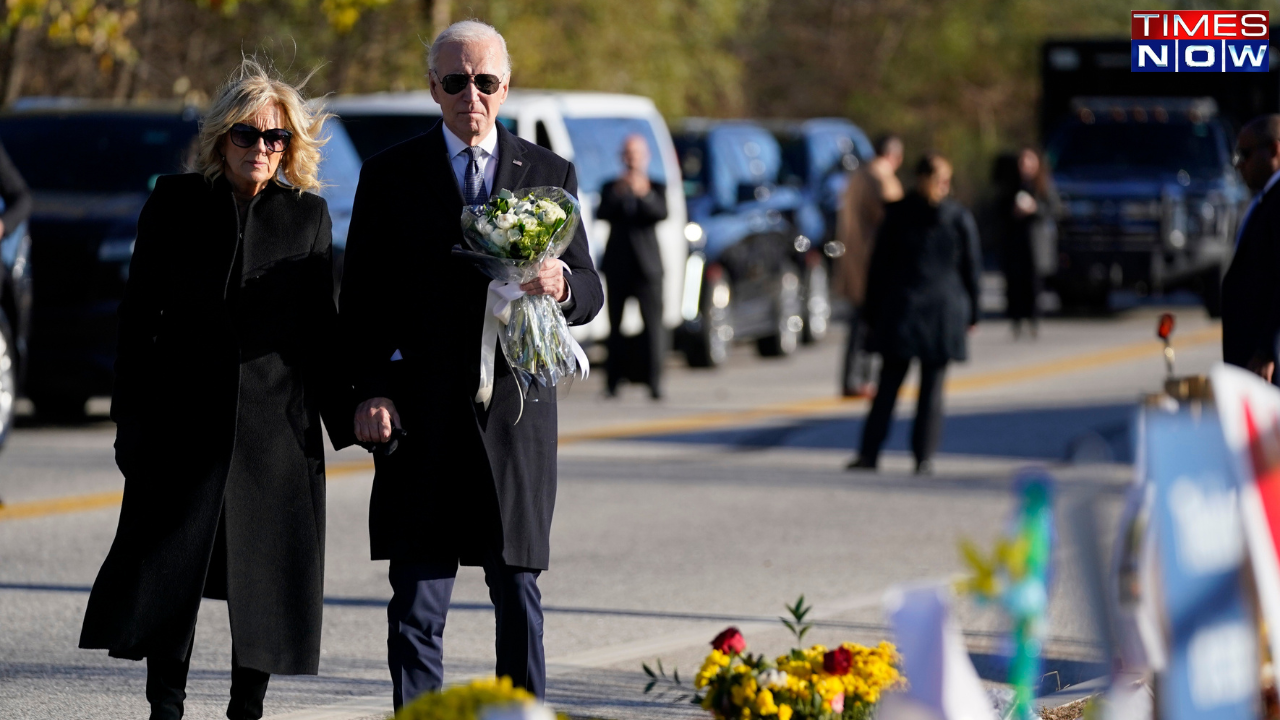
<point x="957" y="76"/>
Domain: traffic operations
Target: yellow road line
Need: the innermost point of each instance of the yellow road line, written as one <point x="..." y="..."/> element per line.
<point x="710" y="421"/>
<point x="59" y="506"/>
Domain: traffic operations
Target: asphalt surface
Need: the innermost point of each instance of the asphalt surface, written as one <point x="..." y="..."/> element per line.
<point x="674" y="519"/>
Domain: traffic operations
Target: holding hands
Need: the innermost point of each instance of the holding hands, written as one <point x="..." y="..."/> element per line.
<point x="374" y="419"/>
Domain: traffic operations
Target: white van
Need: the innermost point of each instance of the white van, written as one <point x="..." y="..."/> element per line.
<point x="585" y="128"/>
<point x="597" y="124"/>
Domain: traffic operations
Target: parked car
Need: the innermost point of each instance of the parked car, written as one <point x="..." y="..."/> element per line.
<point x="15" y="320"/>
<point x="1150" y="200"/>
<point x="745" y="246"/>
<point x="91" y="168"/>
<point x="817" y="157"/>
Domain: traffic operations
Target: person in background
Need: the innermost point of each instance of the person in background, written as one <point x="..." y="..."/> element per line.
<point x="224" y="370"/>
<point x="922" y="299"/>
<point x="14" y="193"/>
<point x="1024" y="212"/>
<point x="1250" y="291"/>
<point x="861" y="211"/>
<point x="632" y="262"/>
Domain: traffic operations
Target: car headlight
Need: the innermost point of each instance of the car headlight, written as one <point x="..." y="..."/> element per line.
<point x="693" y="233"/>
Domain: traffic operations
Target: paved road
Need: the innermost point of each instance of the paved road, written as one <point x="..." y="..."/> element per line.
<point x="675" y="519"/>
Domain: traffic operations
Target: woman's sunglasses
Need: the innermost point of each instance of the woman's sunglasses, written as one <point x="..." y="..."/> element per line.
<point x="246" y="136"/>
<point x="457" y="82"/>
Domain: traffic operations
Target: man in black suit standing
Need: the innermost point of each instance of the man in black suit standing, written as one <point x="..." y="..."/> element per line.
<point x="632" y="262"/>
<point x="1251" y="288"/>
<point x="468" y="484"/>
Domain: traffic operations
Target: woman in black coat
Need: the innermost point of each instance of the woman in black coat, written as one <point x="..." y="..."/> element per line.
<point x="224" y="370"/>
<point x="922" y="299"/>
<point x="1024" y="212"/>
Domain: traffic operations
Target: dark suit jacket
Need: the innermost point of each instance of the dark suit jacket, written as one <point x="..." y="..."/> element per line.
<point x="1251" y="288"/>
<point x="922" y="289"/>
<point x="244" y="348"/>
<point x="632" y="253"/>
<point x="467" y="482"/>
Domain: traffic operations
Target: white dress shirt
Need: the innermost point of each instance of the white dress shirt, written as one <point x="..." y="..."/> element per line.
<point x="487" y="158"/>
<point x="1275" y="177"/>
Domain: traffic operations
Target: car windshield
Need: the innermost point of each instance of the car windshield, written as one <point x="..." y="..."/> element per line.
<point x="97" y="152"/>
<point x="692" y="152"/>
<point x="597" y="150"/>
<point x="373" y="133"/>
<point x="1197" y="148"/>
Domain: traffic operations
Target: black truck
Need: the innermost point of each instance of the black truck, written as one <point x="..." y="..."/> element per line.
<point x="1150" y="201"/>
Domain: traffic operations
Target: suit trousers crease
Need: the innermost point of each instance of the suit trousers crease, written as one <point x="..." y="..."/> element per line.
<point x="648" y="294"/>
<point x="926" y="431"/>
<point x="416" y="615"/>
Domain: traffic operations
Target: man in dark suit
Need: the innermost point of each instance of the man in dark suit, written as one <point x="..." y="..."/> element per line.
<point x="632" y="262"/>
<point x="1251" y="288"/>
<point x="468" y="484"/>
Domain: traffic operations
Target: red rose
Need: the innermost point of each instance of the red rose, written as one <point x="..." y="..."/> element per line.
<point x="730" y="642"/>
<point x="838" y="661"/>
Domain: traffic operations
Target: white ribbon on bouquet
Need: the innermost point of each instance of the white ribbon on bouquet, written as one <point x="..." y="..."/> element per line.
<point x="497" y="313"/>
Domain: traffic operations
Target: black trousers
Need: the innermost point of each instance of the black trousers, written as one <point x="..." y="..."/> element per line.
<point x="648" y="293"/>
<point x="416" y="616"/>
<point x="167" y="687"/>
<point x="927" y="429"/>
<point x="859" y="363"/>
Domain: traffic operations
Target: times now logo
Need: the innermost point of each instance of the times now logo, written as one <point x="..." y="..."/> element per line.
<point x="1200" y="41"/>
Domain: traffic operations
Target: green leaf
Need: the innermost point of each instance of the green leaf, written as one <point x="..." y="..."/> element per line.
<point x="664" y="672"/>
<point x="647" y="670"/>
<point x="649" y="687"/>
<point x="676" y="674"/>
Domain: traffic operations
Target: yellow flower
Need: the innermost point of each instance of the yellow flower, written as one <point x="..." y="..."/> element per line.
<point x="784" y="712"/>
<point x="765" y="704"/>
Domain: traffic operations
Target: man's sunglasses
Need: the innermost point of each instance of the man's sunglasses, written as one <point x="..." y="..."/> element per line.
<point x="247" y="136"/>
<point x="457" y="82"/>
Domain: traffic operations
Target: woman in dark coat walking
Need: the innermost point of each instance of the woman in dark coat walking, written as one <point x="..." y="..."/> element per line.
<point x="922" y="299"/>
<point x="224" y="370"/>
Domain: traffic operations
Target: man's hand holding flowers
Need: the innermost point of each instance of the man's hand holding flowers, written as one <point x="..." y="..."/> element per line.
<point x="550" y="281"/>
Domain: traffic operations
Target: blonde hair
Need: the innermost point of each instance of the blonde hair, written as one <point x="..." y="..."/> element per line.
<point x="251" y="87"/>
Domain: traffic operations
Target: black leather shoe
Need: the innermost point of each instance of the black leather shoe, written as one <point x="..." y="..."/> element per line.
<point x="924" y="467"/>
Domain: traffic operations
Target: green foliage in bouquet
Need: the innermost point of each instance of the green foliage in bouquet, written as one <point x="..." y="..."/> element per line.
<point x="467" y="702"/>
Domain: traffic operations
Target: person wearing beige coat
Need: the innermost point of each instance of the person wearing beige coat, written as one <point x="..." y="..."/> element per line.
<point x="871" y="187"/>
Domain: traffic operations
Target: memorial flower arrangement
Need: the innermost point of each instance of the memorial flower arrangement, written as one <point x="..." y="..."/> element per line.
<point x="813" y="683"/>
<point x="508" y="238"/>
<point x="476" y="701"/>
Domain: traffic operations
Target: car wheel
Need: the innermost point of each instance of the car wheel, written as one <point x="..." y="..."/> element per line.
<point x="789" y="322"/>
<point x="709" y="346"/>
<point x="817" y="304"/>
<point x="8" y="379"/>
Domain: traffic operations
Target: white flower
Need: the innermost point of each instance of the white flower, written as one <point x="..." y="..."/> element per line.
<point x="499" y="237"/>
<point x="505" y="221"/>
<point x="484" y="227"/>
<point x="514" y="234"/>
<point x="549" y="212"/>
<point x="772" y="679"/>
<point x="529" y="223"/>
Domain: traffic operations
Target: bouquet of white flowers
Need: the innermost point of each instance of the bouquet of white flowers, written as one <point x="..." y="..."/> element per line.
<point x="507" y="239"/>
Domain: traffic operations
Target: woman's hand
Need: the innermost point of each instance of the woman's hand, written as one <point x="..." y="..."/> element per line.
<point x="550" y="281"/>
<point x="374" y="419"/>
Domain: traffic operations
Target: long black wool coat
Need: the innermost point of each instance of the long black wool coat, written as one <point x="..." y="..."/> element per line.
<point x="226" y="364"/>
<point x="467" y="483"/>
<point x="924" y="282"/>
<point x="1250" y="293"/>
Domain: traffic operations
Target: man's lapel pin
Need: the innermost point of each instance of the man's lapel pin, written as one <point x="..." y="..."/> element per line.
<point x="517" y="162"/>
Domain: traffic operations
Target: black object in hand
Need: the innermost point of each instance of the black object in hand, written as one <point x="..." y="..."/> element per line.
<point x="384" y="449"/>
